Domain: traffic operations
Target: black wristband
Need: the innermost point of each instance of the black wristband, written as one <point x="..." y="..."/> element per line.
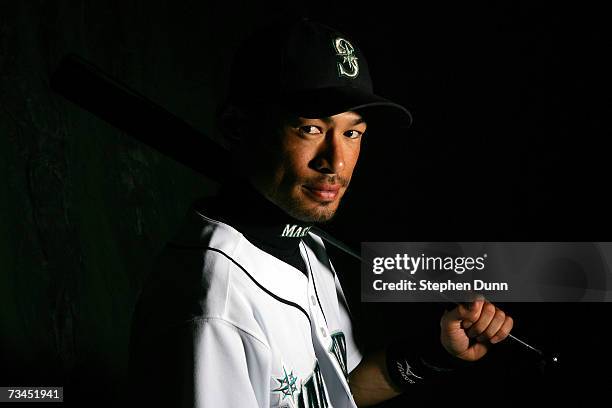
<point x="409" y="364"/>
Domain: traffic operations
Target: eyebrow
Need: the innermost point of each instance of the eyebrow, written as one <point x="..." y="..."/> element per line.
<point x="357" y="121"/>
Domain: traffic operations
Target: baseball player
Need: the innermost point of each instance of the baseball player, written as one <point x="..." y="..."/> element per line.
<point x="244" y="308"/>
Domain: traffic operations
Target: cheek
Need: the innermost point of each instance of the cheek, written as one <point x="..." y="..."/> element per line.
<point x="295" y="159"/>
<point x="351" y="159"/>
<point x="284" y="167"/>
<point x="291" y="169"/>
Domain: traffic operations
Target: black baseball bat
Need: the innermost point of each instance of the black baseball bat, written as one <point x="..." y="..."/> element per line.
<point x="93" y="90"/>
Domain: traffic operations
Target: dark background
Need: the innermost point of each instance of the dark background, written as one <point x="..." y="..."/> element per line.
<point x="511" y="104"/>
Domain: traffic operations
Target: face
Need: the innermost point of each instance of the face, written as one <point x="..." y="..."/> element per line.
<point x="307" y="167"/>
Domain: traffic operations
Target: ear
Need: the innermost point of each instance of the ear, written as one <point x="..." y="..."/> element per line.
<point x="232" y="121"/>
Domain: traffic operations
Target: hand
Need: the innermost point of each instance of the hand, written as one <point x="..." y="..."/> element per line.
<point x="468" y="330"/>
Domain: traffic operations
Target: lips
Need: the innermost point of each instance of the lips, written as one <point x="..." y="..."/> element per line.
<point x="323" y="192"/>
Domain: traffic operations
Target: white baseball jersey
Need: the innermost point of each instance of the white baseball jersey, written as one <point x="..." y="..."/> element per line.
<point x="225" y="324"/>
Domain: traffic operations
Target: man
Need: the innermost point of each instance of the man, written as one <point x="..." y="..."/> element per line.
<point x="244" y="308"/>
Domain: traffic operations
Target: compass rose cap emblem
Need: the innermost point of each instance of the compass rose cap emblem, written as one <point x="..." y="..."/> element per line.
<point x="310" y="68"/>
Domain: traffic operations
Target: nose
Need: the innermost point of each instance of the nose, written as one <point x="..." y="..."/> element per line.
<point x="330" y="156"/>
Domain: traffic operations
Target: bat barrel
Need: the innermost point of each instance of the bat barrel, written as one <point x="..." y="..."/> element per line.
<point x="90" y="88"/>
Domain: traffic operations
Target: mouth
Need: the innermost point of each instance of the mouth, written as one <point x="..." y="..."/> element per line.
<point x="322" y="192"/>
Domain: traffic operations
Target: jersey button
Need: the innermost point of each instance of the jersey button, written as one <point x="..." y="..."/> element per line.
<point x="323" y="332"/>
<point x="314" y="301"/>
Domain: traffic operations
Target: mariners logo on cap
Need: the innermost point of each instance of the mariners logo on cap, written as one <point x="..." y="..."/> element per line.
<point x="348" y="65"/>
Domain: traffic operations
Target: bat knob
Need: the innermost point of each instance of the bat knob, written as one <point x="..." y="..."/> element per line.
<point x="550" y="363"/>
<point x="554" y="359"/>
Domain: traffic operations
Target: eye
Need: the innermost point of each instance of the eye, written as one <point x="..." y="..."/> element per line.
<point x="309" y="130"/>
<point x="353" y="134"/>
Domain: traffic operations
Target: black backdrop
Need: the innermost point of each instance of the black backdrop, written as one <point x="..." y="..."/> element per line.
<point x="510" y="101"/>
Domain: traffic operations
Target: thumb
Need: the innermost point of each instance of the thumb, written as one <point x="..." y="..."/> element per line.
<point x="465" y="314"/>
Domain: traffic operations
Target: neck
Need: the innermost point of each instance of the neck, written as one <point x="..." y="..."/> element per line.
<point x="258" y="219"/>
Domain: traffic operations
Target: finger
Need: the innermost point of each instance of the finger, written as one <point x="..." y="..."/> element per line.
<point x="496" y="323"/>
<point x="504" y="331"/>
<point x="475" y="351"/>
<point x="471" y="313"/>
<point x="479" y="326"/>
<point x="474" y="309"/>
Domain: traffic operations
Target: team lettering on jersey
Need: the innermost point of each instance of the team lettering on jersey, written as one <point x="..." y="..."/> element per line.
<point x="294" y="231"/>
<point x="338" y="349"/>
<point x="310" y="393"/>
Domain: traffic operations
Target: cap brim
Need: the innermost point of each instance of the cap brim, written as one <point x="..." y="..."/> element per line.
<point x="327" y="102"/>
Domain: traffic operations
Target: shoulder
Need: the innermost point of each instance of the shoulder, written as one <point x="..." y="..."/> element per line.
<point x="194" y="275"/>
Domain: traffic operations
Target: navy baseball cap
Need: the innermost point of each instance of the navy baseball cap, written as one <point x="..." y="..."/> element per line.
<point x="309" y="69"/>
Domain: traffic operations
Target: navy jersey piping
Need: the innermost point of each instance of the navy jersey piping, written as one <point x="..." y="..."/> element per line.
<point x="278" y="298"/>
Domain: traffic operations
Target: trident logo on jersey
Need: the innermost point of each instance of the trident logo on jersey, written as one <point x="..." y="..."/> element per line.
<point x="348" y="66"/>
<point x="286" y="384"/>
<point x="310" y="393"/>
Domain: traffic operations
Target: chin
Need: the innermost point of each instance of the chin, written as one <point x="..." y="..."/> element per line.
<point x="318" y="214"/>
<point x="305" y="209"/>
